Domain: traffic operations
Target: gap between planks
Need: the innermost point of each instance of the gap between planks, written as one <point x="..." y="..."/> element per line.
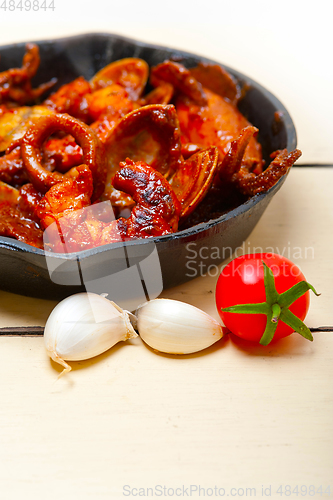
<point x="36" y="331"/>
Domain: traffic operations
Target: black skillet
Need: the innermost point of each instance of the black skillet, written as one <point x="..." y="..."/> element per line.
<point x="26" y="270"/>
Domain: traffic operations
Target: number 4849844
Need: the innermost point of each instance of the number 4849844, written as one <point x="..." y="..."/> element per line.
<point x="308" y="491"/>
<point x="12" y="5"/>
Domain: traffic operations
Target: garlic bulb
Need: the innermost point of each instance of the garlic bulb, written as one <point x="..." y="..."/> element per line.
<point x="83" y="326"/>
<point x="175" y="327"/>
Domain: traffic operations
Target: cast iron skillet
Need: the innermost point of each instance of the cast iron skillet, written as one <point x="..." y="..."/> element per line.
<point x="26" y="270"/>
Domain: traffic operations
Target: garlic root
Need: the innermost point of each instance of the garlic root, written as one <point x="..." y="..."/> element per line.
<point x="67" y="368"/>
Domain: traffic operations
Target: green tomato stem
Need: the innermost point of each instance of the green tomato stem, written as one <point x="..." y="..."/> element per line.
<point x="276" y="311"/>
<point x="270" y="330"/>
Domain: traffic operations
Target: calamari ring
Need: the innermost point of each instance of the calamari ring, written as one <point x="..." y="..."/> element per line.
<point x="92" y="149"/>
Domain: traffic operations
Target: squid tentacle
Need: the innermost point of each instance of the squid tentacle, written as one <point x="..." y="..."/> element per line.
<point x="92" y="151"/>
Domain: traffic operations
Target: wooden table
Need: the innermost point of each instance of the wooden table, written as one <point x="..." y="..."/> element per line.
<point x="235" y="417"/>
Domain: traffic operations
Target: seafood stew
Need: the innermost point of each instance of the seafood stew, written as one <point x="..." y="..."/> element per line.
<point x="26" y="269"/>
<point x="167" y="159"/>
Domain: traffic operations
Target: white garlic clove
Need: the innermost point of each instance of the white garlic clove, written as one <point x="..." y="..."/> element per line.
<point x="175" y="327"/>
<point x="83" y="326"/>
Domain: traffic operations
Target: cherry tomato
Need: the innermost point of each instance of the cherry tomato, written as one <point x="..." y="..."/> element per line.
<point x="243" y="281"/>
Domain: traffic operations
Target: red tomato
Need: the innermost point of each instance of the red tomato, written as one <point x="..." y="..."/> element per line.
<point x="242" y="282"/>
